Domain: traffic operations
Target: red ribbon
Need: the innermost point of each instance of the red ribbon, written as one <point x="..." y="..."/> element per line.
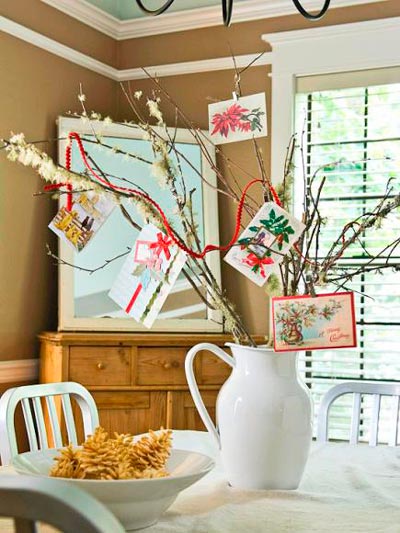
<point x="252" y="260"/>
<point x="73" y="136"/>
<point x="58" y="186"/>
<point x="161" y="245"/>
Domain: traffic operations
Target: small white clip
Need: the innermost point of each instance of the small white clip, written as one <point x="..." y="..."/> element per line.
<point x="235" y="96"/>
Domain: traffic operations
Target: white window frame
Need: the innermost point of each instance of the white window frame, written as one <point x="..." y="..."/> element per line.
<point x="326" y="50"/>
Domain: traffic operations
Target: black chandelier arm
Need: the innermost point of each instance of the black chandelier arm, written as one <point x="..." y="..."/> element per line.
<point x="312" y="16"/>
<point x="227" y="8"/>
<point x="155" y="12"/>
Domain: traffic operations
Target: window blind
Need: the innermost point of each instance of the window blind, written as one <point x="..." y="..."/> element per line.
<point x="353" y="133"/>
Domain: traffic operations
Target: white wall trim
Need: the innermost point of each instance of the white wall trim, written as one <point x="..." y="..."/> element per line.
<point x="183" y="20"/>
<point x="56" y="48"/>
<point x="340" y="48"/>
<point x="19" y="370"/>
<point x="172" y="69"/>
<point x="192" y="67"/>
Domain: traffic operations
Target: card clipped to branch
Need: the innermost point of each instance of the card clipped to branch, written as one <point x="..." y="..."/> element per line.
<point x="238" y="120"/>
<point x="88" y="213"/>
<point x="264" y="243"/>
<point x="148" y="275"/>
<point x="324" y="322"/>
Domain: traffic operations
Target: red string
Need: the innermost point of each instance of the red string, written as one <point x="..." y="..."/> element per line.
<point x="198" y="255"/>
<point x="58" y="186"/>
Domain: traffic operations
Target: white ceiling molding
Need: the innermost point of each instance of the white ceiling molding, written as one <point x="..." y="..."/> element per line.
<point x="173" y="69"/>
<point x="184" y="20"/>
<point x="56" y="48"/>
<point x="19" y="371"/>
<point x="341" y="48"/>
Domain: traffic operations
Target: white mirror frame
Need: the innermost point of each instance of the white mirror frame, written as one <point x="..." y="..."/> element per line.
<point x="66" y="316"/>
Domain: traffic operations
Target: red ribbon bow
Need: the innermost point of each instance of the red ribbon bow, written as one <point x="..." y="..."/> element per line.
<point x="161" y="245"/>
<point x="253" y="261"/>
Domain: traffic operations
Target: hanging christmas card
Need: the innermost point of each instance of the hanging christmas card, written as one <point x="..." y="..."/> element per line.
<point x="238" y="119"/>
<point x="148" y="275"/>
<point x="78" y="225"/>
<point x="321" y="323"/>
<point x="264" y="243"/>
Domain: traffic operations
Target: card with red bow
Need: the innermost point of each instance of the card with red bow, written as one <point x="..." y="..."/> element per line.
<point x="264" y="243"/>
<point x="148" y="275"/>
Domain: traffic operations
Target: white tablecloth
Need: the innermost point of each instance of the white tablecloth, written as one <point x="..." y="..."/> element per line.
<point x="345" y="489"/>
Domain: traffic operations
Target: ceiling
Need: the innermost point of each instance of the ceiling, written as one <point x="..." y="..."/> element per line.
<point x="128" y="9"/>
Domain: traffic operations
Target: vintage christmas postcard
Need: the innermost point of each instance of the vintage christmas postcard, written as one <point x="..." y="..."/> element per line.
<point x="263" y="244"/>
<point x="88" y="213"/>
<point x="238" y="120"/>
<point x="148" y="275"/>
<point x="321" y="323"/>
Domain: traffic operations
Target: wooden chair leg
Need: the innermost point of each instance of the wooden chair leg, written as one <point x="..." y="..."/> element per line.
<point x="22" y="525"/>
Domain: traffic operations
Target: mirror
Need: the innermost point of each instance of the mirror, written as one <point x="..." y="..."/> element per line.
<point x="84" y="303"/>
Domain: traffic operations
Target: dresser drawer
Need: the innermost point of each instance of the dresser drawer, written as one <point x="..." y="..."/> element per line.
<point x="213" y="371"/>
<point x="158" y="366"/>
<point x="100" y="365"/>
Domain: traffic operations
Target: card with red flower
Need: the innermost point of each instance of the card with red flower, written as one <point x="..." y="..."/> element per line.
<point x="148" y="275"/>
<point x="238" y="120"/>
<point x="324" y="322"/>
<point x="264" y="243"/>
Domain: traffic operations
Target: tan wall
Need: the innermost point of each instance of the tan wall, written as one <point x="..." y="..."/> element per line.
<point x="35" y="88"/>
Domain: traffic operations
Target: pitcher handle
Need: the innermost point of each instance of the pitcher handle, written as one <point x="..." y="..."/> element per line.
<point x="193" y="387"/>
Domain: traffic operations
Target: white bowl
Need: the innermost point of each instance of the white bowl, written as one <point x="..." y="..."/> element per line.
<point x="137" y="503"/>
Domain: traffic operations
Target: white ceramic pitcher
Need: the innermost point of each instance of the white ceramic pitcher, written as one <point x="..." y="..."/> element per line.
<point x="264" y="416"/>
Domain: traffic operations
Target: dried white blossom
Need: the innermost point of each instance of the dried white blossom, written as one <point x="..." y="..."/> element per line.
<point x="82" y="97"/>
<point x="159" y="169"/>
<point x="154" y="111"/>
<point x="107" y="121"/>
<point x="138" y="95"/>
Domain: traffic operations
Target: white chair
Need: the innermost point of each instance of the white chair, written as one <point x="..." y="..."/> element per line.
<point x="31" y="396"/>
<point x="359" y="388"/>
<point x="57" y="503"/>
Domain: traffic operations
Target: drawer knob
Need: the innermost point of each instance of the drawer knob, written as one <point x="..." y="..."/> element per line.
<point x="101" y="366"/>
<point x="167" y="366"/>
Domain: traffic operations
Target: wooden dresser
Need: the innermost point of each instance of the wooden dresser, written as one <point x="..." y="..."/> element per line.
<point x="137" y="380"/>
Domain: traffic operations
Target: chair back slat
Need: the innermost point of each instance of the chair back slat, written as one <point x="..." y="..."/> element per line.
<point x="355" y="418"/>
<point x="41" y="428"/>
<point x="69" y="419"/>
<point x="54" y="421"/>
<point x="394" y="421"/>
<point x="359" y="389"/>
<point x="376" y="407"/>
<point x="29" y="424"/>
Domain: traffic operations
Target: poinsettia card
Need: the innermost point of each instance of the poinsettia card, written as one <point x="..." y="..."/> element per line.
<point x="148" y="275"/>
<point x="88" y="213"/>
<point x="263" y="244"/>
<point x="238" y="120"/>
<point x="320" y="323"/>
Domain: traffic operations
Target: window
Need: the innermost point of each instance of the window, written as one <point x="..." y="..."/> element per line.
<point x="353" y="121"/>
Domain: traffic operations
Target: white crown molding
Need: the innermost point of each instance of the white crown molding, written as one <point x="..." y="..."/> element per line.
<point x="352" y="29"/>
<point x="184" y="20"/>
<point x="54" y="47"/>
<point x="194" y="67"/>
<point x="19" y="370"/>
<point x="172" y="69"/>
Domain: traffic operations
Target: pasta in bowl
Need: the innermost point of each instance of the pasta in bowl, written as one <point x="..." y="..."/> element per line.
<point x="137" y="479"/>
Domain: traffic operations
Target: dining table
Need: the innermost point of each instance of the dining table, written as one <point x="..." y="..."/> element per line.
<point x="345" y="489"/>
